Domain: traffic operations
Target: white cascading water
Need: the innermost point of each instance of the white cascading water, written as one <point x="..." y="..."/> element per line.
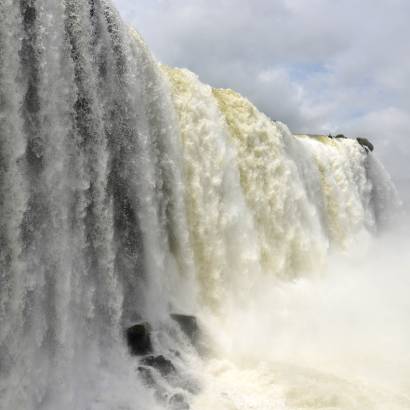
<point x="130" y="190"/>
<point x="90" y="197"/>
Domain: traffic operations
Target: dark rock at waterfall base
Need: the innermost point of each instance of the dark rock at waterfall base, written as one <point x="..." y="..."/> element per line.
<point x="158" y="371"/>
<point x="178" y="402"/>
<point x="148" y="379"/>
<point x="139" y="339"/>
<point x="162" y="364"/>
<point x="188" y="325"/>
<point x="146" y="375"/>
<point x="364" y="142"/>
<point x="175" y="401"/>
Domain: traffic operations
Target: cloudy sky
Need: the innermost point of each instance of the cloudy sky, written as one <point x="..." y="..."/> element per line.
<point x="317" y="65"/>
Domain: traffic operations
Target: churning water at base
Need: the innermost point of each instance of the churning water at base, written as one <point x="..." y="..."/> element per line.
<point x="130" y="191"/>
<point x="335" y="342"/>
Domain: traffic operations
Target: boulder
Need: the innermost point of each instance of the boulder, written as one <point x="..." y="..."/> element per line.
<point x="149" y="380"/>
<point x="162" y="364"/>
<point x="364" y="142"/>
<point x="188" y="325"/>
<point x="340" y="136"/>
<point x="146" y="375"/>
<point x="139" y="339"/>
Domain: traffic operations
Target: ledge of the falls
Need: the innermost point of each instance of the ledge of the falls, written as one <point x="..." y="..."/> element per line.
<point x="364" y="142"/>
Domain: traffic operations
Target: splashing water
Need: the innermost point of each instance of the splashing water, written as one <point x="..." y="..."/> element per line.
<point x="130" y="190"/>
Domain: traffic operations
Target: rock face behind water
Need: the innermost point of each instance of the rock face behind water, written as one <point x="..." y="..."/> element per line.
<point x="139" y="339"/>
<point x="188" y="324"/>
<point x="161" y="363"/>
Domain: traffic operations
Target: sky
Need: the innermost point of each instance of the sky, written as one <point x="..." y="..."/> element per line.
<point x="320" y="66"/>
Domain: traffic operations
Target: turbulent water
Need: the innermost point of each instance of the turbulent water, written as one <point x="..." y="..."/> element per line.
<point x="130" y="190"/>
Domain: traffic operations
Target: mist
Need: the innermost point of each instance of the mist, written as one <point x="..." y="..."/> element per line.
<point x="337" y="339"/>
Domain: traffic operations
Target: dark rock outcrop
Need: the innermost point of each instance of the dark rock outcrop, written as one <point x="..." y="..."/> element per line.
<point x="162" y="364"/>
<point x="364" y="142"/>
<point x="139" y="339"/>
<point x="146" y="375"/>
<point x="188" y="325"/>
<point x="148" y="378"/>
<point x="336" y="136"/>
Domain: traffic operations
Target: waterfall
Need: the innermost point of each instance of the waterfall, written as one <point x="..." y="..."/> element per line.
<point x="90" y="196"/>
<point x="130" y="190"/>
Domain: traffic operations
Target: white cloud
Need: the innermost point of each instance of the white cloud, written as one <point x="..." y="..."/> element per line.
<point x="319" y="65"/>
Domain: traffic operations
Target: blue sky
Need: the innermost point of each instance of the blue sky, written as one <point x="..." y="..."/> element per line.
<point x="318" y="65"/>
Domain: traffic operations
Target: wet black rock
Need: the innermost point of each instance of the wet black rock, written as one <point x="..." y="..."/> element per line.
<point x="148" y="378"/>
<point x="188" y="325"/>
<point x="146" y="375"/>
<point x="340" y="136"/>
<point x="364" y="142"/>
<point x="162" y="364"/>
<point x="139" y="339"/>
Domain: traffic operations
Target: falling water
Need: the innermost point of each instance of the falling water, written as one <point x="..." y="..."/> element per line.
<point x="130" y="190"/>
<point x="90" y="198"/>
